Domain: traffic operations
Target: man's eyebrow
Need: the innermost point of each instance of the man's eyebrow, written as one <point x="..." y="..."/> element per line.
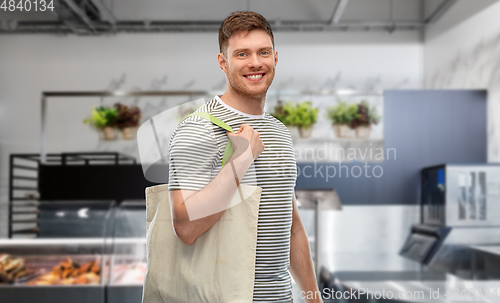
<point x="246" y="49"/>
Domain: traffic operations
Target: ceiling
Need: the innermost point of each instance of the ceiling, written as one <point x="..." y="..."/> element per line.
<point x="97" y="17"/>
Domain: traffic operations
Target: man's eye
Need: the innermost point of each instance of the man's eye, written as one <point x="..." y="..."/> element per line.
<point x="241" y="54"/>
<point x="265" y="53"/>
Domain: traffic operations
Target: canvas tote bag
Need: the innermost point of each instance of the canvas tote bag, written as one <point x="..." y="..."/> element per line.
<point x="219" y="267"/>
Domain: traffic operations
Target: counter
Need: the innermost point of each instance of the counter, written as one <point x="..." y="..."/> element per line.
<point x="382" y="274"/>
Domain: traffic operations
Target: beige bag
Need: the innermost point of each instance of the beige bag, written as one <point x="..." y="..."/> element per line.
<point x="219" y="267"/>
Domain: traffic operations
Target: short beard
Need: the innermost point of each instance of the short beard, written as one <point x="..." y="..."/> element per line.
<point x="242" y="92"/>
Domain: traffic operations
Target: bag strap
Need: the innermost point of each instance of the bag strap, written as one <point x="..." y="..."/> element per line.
<point x="229" y="147"/>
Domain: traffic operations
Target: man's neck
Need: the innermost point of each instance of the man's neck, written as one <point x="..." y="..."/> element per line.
<point x="252" y="105"/>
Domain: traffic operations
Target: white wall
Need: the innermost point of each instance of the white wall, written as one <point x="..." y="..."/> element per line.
<point x="31" y="64"/>
<point x="462" y="51"/>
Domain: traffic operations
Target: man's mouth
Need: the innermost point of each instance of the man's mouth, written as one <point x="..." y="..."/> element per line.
<point x="254" y="77"/>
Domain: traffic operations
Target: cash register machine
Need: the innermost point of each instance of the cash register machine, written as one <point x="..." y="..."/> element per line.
<point x="460" y="211"/>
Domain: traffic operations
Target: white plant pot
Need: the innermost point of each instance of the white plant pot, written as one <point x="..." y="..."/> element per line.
<point x="129" y="133"/>
<point x="305" y="132"/>
<point x="109" y="133"/>
<point x="344" y="131"/>
<point x="363" y="132"/>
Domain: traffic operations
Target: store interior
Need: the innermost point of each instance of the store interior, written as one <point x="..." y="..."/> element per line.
<point x="411" y="203"/>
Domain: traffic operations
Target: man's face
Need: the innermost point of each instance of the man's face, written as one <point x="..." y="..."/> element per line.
<point x="249" y="62"/>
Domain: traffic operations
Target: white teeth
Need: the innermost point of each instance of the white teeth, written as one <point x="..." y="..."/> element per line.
<point x="254" y="76"/>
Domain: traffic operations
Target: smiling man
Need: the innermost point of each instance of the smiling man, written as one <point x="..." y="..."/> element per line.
<point x="248" y="59"/>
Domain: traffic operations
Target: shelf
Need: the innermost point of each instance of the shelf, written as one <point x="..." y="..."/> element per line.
<point x="25" y="231"/>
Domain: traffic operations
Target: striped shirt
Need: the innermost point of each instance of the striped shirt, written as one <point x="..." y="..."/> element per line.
<point x="196" y="150"/>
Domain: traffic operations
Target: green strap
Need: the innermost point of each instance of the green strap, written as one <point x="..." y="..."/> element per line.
<point x="229" y="147"/>
<point x="214" y="120"/>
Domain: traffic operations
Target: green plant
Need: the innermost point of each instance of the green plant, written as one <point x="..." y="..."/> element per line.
<point x="305" y="115"/>
<point x="366" y="115"/>
<point x="343" y="113"/>
<point x="301" y="115"/>
<point x="127" y="116"/>
<point x="101" y="117"/>
<point x="285" y="112"/>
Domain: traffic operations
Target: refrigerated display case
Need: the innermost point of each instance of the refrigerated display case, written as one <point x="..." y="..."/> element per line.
<point x="128" y="260"/>
<point x="105" y="242"/>
<point x="69" y="259"/>
<point x="76" y="219"/>
<point x="59" y="270"/>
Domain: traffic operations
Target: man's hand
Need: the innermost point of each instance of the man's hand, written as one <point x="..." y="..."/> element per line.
<point x="252" y="140"/>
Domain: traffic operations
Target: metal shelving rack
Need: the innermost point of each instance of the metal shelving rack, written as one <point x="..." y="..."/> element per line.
<point x="23" y="198"/>
<point x="101" y="94"/>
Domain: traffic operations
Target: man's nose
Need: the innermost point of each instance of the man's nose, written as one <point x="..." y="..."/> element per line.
<point x="254" y="61"/>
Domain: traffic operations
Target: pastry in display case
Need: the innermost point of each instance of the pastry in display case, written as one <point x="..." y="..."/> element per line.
<point x="69" y="272"/>
<point x="13" y="270"/>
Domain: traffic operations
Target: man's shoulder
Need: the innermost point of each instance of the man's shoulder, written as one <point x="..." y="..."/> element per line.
<point x="195" y="129"/>
<point x="197" y="121"/>
<point x="277" y="123"/>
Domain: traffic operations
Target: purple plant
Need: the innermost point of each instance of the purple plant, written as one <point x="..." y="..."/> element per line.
<point x="128" y="116"/>
<point x="366" y="116"/>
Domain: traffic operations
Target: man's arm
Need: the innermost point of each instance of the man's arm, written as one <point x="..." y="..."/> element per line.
<point x="301" y="264"/>
<point x="194" y="212"/>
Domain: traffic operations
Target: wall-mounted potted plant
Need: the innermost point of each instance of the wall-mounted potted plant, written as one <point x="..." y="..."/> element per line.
<point x="127" y="120"/>
<point x="305" y="117"/>
<point x="301" y="116"/>
<point x="366" y="117"/>
<point x="285" y="112"/>
<point x="342" y="116"/>
<point x="103" y="119"/>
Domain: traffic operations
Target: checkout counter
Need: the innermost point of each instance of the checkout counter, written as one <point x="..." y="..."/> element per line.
<point x="452" y="255"/>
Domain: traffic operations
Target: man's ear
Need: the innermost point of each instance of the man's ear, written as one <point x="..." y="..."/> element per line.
<point x="275" y="57"/>
<point x="222" y="62"/>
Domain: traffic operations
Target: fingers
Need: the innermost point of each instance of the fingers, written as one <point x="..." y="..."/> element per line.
<point x="250" y="136"/>
<point x="245" y="127"/>
<point x="241" y="129"/>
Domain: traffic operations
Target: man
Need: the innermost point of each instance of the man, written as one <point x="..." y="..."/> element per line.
<point x="200" y="189"/>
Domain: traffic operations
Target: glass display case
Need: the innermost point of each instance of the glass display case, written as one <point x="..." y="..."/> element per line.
<point x="85" y="251"/>
<point x="76" y="219"/>
<point x="128" y="260"/>
<point x="68" y="261"/>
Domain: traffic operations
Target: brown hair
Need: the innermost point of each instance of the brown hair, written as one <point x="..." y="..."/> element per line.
<point x="243" y="21"/>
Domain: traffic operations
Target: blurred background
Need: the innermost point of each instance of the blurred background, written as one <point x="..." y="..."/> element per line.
<point x="410" y="88"/>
